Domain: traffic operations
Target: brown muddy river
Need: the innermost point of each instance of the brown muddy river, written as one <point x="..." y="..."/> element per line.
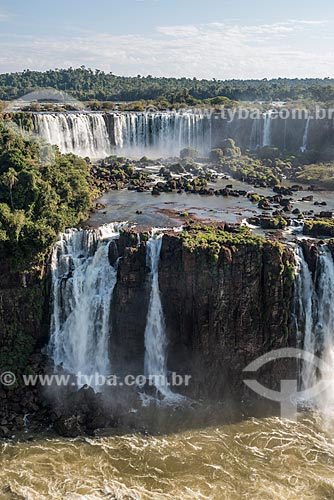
<point x="256" y="459"/>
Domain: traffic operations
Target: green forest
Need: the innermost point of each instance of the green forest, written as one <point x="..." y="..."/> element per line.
<point x="87" y="84"/>
<point x="37" y="199"/>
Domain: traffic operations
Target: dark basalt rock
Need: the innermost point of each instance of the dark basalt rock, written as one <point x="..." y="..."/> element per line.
<point x="311" y="252"/>
<point x="326" y="215"/>
<point x="221" y="316"/>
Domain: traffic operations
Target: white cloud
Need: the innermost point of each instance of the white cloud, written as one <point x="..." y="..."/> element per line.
<point x="213" y="50"/>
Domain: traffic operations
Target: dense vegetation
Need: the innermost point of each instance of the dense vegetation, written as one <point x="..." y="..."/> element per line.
<point x="209" y="238"/>
<point x="320" y="175"/>
<point x="86" y="84"/>
<point x="37" y="200"/>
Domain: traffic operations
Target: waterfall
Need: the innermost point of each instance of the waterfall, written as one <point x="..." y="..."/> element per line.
<point x="316" y="320"/>
<point x="266" y="141"/>
<point x="134" y="134"/>
<point x="156" y="342"/>
<point x="306" y="298"/>
<point x="82" y="286"/>
<point x="303" y="148"/>
<point x="255" y="138"/>
<point x="161" y="134"/>
<point x="155" y="332"/>
<point x="84" y="134"/>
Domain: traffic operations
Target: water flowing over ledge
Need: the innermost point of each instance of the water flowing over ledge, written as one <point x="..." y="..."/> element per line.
<point x="83" y="282"/>
<point x="82" y="285"/>
<point x="315" y="312"/>
<point x="84" y="134"/>
<point x="163" y="134"/>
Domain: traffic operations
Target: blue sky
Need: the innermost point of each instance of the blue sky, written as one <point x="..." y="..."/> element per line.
<point x="206" y="39"/>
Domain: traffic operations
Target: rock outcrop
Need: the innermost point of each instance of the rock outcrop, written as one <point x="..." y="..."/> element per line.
<point x="222" y="315"/>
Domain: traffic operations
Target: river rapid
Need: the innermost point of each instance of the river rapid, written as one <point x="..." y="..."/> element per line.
<point x="251" y="459"/>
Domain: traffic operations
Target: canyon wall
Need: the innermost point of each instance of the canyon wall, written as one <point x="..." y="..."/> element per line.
<point x="220" y="312"/>
<point x="219" y="315"/>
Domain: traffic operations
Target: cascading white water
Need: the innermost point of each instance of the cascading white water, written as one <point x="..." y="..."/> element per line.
<point x="84" y="134"/>
<point x="135" y="134"/>
<point x="306" y="298"/>
<point x="316" y="321"/>
<point x="303" y="148"/>
<point x="156" y="342"/>
<point x="267" y="120"/>
<point x="82" y="285"/>
<point x="155" y="332"/>
<point x="255" y="137"/>
<point x="161" y="134"/>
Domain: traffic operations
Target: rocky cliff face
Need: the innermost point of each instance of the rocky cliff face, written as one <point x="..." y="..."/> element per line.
<point x="220" y="314"/>
<point x="222" y="311"/>
<point x="129" y="307"/>
<point x="24" y="327"/>
<point x="24" y="315"/>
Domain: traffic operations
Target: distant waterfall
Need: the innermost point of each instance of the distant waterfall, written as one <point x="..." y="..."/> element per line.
<point x="316" y="319"/>
<point x="267" y="121"/>
<point x="132" y="134"/>
<point x="161" y="134"/>
<point x="255" y="137"/>
<point x="82" y="285"/>
<point x="303" y="148"/>
<point x="84" y="134"/>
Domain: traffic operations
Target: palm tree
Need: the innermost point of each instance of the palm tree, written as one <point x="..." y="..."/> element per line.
<point x="10" y="179"/>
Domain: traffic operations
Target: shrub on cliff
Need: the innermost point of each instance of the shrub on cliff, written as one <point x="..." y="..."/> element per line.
<point x="213" y="239"/>
<point x="37" y="200"/>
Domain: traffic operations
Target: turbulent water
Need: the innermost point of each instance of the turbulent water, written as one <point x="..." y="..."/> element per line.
<point x="82" y="285"/>
<point x="266" y="459"/>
